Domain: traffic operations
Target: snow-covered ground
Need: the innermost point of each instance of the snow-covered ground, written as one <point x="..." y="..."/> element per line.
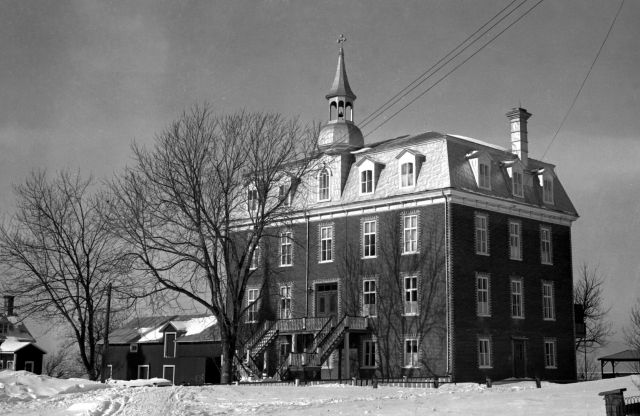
<point x="22" y="393"/>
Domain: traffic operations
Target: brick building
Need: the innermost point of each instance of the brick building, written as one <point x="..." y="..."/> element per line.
<point x="422" y="255"/>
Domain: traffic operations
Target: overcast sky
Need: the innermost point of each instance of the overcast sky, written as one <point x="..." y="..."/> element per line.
<point x="79" y="80"/>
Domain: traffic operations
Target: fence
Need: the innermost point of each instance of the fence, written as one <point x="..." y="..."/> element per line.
<point x="406" y="382"/>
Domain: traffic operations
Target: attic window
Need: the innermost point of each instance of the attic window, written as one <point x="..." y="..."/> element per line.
<point x="407" y="175"/>
<point x="366" y="181"/>
<point x="484" y="175"/>
<point x="285" y="195"/>
<point x="323" y="185"/>
<point x="547" y="190"/>
<point x="133" y="347"/>
<point x="252" y="199"/>
<point x="516" y="183"/>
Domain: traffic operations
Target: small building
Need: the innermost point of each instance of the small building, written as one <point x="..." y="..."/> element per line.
<point x="181" y="349"/>
<point x="630" y="359"/>
<point x="18" y="349"/>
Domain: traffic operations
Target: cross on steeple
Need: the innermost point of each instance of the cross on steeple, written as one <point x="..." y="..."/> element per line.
<point x="341" y="40"/>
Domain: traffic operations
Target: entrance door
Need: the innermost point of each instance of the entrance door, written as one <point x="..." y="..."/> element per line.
<point x="326" y="299"/>
<point x="28" y="366"/>
<point x="519" y="358"/>
<point x="168" y="373"/>
<point x="143" y="372"/>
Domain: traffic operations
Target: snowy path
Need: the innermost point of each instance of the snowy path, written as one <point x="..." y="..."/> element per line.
<point x="521" y="398"/>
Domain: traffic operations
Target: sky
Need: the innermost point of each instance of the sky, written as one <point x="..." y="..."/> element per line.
<point x="81" y="80"/>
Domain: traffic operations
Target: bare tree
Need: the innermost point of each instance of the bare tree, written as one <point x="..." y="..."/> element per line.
<point x="632" y="330"/>
<point x="60" y="256"/>
<point x="426" y="322"/>
<point x="588" y="293"/>
<point x="193" y="208"/>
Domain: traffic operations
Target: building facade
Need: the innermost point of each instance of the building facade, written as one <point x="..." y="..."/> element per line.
<point x="18" y="349"/>
<point x="429" y="255"/>
<point x="182" y="349"/>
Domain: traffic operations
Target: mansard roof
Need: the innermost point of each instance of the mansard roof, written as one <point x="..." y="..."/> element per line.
<point x="445" y="166"/>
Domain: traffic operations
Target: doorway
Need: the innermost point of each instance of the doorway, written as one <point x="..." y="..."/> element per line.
<point x="327" y="299"/>
<point x="519" y="358"/>
<point x="168" y="373"/>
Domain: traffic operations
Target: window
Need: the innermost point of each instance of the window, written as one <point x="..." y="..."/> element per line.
<point x="484" y="352"/>
<point x="517" y="299"/>
<point x="286" y="249"/>
<point x="550" y="353"/>
<point x="369" y="298"/>
<point x="326" y="243"/>
<point x="484" y="178"/>
<point x="548" y="304"/>
<point x="252" y="305"/>
<point x="323" y="185"/>
<point x="169" y="372"/>
<point x="409" y="234"/>
<point x="252" y="198"/>
<point x="411" y="352"/>
<point x="255" y="259"/>
<point x="516" y="184"/>
<point x="369" y="238"/>
<point x="369" y="353"/>
<point x="546" y="249"/>
<point x="407" y="178"/>
<point x="4" y="328"/>
<point x="515" y="240"/>
<point x="366" y="182"/>
<point x="10" y="365"/>
<point x="411" y="295"/>
<point x="109" y="374"/>
<point x="169" y="344"/>
<point x="547" y="190"/>
<point x="284" y="194"/>
<point x="133" y="347"/>
<point x="483" y="295"/>
<point x="143" y="372"/>
<point x="285" y="302"/>
<point x="482" y="234"/>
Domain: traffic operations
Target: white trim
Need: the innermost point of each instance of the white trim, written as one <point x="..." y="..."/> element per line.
<point x="175" y="337"/>
<point x="148" y="371"/>
<point x="488" y="354"/>
<point x="173" y="379"/>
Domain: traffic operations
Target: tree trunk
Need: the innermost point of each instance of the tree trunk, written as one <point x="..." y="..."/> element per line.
<point x="228" y="355"/>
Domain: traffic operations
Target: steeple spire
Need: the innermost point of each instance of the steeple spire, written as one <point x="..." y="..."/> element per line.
<point x="340" y="85"/>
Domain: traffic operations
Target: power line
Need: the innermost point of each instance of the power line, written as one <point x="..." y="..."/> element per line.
<point x="584" y="80"/>
<point x="401" y="94"/>
<point x="455" y="68"/>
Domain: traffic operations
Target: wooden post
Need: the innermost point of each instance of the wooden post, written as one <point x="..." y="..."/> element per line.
<point x="346" y="355"/>
<point x="105" y="345"/>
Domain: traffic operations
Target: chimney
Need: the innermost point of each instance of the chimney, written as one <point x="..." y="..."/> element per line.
<point x="519" y="143"/>
<point x="8" y="305"/>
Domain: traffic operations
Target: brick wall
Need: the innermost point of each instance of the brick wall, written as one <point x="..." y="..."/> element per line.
<point x="501" y="327"/>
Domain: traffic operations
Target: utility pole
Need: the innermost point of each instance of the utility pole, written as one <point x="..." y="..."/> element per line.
<point x="105" y="344"/>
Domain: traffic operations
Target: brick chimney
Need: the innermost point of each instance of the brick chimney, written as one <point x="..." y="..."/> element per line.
<point x="8" y="305"/>
<point x="519" y="143"/>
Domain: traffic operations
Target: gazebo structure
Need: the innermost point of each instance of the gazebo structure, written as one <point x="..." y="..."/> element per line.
<point x="626" y="356"/>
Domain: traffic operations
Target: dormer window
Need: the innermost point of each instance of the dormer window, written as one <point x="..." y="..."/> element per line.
<point x="407" y="175"/>
<point x="323" y="185"/>
<point x="484" y="178"/>
<point x="481" y="167"/>
<point x="545" y="178"/>
<point x="252" y="199"/>
<point x="284" y="194"/>
<point x="516" y="184"/>
<point x="547" y="190"/>
<point x="366" y="181"/>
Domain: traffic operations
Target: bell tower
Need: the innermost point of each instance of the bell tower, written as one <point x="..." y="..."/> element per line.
<point x="340" y="133"/>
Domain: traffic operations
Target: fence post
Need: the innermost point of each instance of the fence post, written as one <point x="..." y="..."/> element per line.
<point x="614" y="402"/>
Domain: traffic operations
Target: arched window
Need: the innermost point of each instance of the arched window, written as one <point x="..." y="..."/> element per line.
<point x="340" y="110"/>
<point x="323" y="185"/>
<point x="349" y="114"/>
<point x="333" y="111"/>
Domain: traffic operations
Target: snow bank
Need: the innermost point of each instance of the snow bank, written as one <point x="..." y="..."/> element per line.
<point x="23" y="385"/>
<point x="140" y="382"/>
